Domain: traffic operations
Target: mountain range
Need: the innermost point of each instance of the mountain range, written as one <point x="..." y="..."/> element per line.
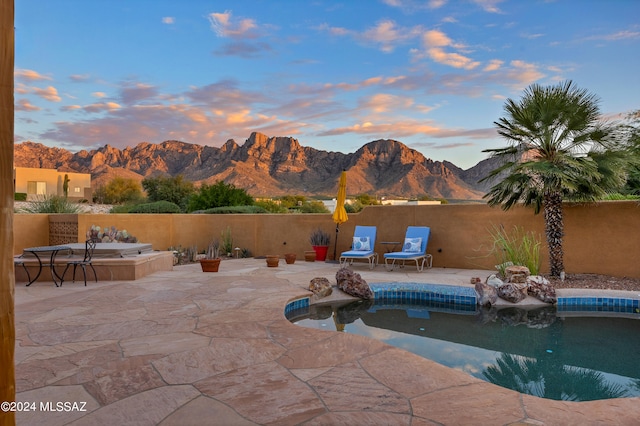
<point x="273" y="166"/>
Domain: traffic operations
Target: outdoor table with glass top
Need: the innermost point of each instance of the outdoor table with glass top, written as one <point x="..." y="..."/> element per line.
<point x="53" y="250"/>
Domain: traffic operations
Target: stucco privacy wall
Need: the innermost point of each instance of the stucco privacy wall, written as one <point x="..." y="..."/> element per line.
<point x="600" y="238"/>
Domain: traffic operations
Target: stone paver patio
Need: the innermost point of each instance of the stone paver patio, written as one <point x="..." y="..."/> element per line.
<point x="191" y="348"/>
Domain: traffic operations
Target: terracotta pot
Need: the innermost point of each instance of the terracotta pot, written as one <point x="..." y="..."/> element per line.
<point x="273" y="261"/>
<point x="290" y="258"/>
<point x="321" y="252"/>
<point x="210" y="265"/>
<point x="310" y="256"/>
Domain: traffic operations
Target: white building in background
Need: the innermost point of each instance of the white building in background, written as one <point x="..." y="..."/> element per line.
<point x="331" y="204"/>
<point x="39" y="183"/>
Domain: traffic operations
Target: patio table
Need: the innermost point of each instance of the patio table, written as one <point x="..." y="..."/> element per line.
<point x="54" y="250"/>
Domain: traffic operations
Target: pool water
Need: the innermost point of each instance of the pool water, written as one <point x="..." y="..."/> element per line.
<point x="536" y="352"/>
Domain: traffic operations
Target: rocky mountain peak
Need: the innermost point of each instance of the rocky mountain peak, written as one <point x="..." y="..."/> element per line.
<point x="267" y="166"/>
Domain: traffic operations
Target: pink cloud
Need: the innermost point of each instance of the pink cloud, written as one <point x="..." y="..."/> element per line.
<point x="30" y="75"/>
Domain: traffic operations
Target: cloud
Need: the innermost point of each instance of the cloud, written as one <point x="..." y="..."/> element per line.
<point x="24" y="105"/>
<point x="101" y="106"/>
<point x="387" y="35"/>
<point x="132" y="92"/>
<point x="620" y="35"/>
<point x="224" y="25"/>
<point x="99" y="94"/>
<point x="384" y="102"/>
<point x="243" y="49"/>
<point x="490" y="6"/>
<point x="334" y="31"/>
<point x="493" y="65"/>
<point x="435" y="38"/>
<point x="434" y="42"/>
<point x="168" y="20"/>
<point x="79" y="78"/>
<point x="391" y="130"/>
<point x="454" y="60"/>
<point x="522" y="74"/>
<point x="413" y="4"/>
<point x="50" y="94"/>
<point x="29" y="75"/>
<point x="70" y="107"/>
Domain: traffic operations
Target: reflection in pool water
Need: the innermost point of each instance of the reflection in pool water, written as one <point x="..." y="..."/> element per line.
<point x="535" y="351"/>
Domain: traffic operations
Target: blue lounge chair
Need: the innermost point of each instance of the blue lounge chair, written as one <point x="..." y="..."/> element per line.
<point x="413" y="249"/>
<point x="364" y="241"/>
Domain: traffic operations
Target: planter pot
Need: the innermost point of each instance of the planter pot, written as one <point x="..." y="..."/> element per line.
<point x="290" y="258"/>
<point x="321" y="252"/>
<point x="210" y="265"/>
<point x="273" y="261"/>
<point x="310" y="256"/>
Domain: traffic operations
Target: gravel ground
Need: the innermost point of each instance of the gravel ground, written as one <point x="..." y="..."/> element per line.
<point x="595" y="281"/>
<point x="86" y="208"/>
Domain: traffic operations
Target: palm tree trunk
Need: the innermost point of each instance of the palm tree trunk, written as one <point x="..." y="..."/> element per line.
<point x="554" y="229"/>
<point x="7" y="278"/>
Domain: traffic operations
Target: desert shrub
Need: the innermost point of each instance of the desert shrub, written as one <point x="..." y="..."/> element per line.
<point x="353" y="207"/>
<point x="156" y="207"/>
<point x="234" y="210"/>
<point x="118" y="191"/>
<point x="175" y="189"/>
<point x="313" y="207"/>
<point x="271" y="206"/>
<point x="515" y="248"/>
<point x="52" y="204"/>
<point x="218" y="195"/>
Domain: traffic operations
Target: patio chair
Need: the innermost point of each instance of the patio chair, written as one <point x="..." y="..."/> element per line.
<point x="413" y="249"/>
<point x="89" y="246"/>
<point x="362" y="248"/>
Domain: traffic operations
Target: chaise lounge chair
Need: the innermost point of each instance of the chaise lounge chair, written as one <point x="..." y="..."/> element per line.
<point x="413" y="249"/>
<point x="364" y="240"/>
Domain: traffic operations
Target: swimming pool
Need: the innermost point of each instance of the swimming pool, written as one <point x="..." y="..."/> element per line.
<point x="577" y="351"/>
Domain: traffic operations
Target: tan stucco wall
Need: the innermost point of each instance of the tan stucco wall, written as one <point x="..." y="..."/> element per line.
<point x="602" y="238"/>
<point x="54" y="180"/>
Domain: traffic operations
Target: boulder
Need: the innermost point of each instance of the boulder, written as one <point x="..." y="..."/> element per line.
<point x="353" y="284"/>
<point x="487" y="295"/>
<point x="494" y="281"/>
<point x="512" y="292"/>
<point x="540" y="288"/>
<point x="320" y="286"/>
<point x="516" y="274"/>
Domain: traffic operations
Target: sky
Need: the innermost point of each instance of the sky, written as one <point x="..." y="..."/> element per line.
<point x="334" y="75"/>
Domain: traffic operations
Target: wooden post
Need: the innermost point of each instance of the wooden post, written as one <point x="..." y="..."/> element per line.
<point x="7" y="278"/>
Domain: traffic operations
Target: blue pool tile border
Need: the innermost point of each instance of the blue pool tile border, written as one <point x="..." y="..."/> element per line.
<point x="449" y="298"/>
<point x="296" y="308"/>
<point x="420" y="293"/>
<point x="598" y="304"/>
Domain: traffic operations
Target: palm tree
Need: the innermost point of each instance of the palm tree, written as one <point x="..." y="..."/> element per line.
<point x="558" y="150"/>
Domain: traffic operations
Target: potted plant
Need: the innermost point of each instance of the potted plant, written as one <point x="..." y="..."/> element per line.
<point x="211" y="261"/>
<point x="319" y="240"/>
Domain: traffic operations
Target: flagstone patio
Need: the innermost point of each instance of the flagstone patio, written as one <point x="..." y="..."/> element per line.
<point x="184" y="347"/>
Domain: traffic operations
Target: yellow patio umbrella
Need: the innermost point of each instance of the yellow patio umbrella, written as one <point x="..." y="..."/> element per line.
<point x="340" y="214"/>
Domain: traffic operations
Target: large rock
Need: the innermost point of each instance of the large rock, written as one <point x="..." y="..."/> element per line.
<point x="353" y="284"/>
<point x="540" y="288"/>
<point x="512" y="292"/>
<point x="487" y="295"/>
<point x="516" y="274"/>
<point x="494" y="281"/>
<point x="320" y="286"/>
